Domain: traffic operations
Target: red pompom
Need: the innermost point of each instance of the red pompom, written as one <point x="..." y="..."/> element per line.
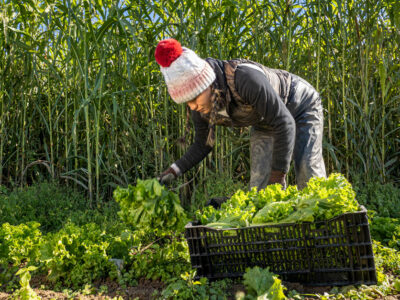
<point x="167" y="51"/>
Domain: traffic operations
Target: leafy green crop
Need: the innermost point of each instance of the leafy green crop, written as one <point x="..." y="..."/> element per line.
<point x="148" y="205"/>
<point x="274" y="212"/>
<point x="263" y="284"/>
<point x="186" y="288"/>
<point x="77" y="255"/>
<point x="18" y="244"/>
<point x="322" y="199"/>
<point x="236" y="212"/>
<point x="334" y="196"/>
<point x="387" y="231"/>
<point x="167" y="258"/>
<point x="386" y="259"/>
<point x="274" y="193"/>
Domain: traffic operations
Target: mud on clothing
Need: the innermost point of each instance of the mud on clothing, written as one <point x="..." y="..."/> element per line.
<point x="285" y="113"/>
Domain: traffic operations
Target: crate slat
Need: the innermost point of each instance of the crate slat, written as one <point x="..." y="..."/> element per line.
<point x="332" y="252"/>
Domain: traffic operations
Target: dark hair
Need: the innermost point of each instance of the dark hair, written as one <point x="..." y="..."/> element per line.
<point x="218" y="102"/>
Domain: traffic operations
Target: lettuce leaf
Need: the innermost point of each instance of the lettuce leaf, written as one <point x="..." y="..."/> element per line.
<point x="262" y="284"/>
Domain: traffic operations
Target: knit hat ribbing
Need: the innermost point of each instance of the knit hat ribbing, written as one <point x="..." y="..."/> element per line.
<point x="185" y="73"/>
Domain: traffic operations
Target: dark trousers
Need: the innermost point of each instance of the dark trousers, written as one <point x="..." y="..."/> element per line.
<point x="305" y="106"/>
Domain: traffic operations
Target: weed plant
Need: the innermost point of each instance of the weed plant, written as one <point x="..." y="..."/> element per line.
<point x="384" y="199"/>
<point x="53" y="205"/>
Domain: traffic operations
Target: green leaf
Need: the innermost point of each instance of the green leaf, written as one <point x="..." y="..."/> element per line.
<point x="322" y="199"/>
<point x="150" y="205"/>
<point x="263" y="284"/>
<point x="396" y="284"/>
<point x="27" y="269"/>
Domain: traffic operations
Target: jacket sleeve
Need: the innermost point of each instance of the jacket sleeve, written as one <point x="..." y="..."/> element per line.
<point x="254" y="88"/>
<point x="199" y="149"/>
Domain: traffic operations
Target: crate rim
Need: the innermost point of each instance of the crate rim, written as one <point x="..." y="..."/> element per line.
<point x="190" y="225"/>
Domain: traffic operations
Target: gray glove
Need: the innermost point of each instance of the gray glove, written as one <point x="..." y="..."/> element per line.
<point x="167" y="176"/>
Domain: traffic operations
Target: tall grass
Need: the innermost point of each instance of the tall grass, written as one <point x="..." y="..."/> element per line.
<point x="81" y="92"/>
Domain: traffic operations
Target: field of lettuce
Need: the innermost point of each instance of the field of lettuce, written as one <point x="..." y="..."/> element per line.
<point x="52" y="245"/>
<point x="86" y="123"/>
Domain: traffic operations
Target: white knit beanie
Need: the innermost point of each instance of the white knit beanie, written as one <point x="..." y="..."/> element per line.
<point x="185" y="73"/>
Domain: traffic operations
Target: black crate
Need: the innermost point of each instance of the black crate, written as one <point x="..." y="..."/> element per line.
<point x="333" y="252"/>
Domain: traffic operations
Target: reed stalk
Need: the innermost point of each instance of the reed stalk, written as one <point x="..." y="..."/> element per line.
<point x="97" y="106"/>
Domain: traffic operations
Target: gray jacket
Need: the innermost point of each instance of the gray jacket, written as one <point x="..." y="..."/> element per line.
<point x="255" y="96"/>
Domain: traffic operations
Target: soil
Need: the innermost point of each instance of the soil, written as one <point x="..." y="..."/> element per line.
<point x="306" y="289"/>
<point x="146" y="289"/>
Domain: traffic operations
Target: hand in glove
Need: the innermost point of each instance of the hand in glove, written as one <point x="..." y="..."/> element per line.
<point x="216" y="202"/>
<point x="277" y="177"/>
<point x="167" y="176"/>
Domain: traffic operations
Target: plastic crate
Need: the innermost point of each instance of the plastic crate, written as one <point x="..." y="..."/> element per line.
<point x="333" y="252"/>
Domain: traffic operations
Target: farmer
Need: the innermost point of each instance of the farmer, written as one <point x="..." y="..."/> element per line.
<point x="283" y="110"/>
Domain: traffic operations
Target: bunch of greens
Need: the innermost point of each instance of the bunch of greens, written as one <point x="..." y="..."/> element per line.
<point x="334" y="196"/>
<point x="273" y="212"/>
<point x="322" y="199"/>
<point x="157" y="218"/>
<point x="148" y="205"/>
<point x="236" y="212"/>
<point x="275" y="193"/>
<point x="262" y="284"/>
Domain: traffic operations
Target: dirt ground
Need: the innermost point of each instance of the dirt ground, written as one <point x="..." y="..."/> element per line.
<point x="146" y="288"/>
<point x="142" y="293"/>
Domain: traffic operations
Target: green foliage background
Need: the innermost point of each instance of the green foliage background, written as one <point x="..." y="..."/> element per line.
<point x="76" y="246"/>
<point x="83" y="100"/>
